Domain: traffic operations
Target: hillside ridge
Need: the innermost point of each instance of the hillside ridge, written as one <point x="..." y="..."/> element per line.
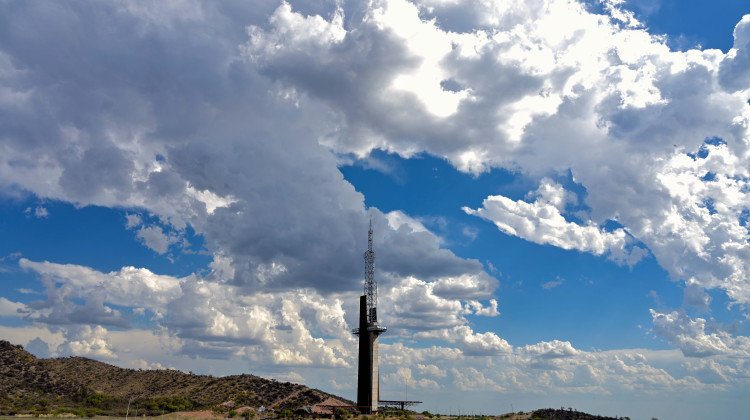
<point x="88" y="387"/>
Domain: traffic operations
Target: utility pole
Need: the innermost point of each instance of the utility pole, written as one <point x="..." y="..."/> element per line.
<point x="128" y="409"/>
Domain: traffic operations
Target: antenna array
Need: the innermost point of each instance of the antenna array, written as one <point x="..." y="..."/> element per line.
<point x="371" y="286"/>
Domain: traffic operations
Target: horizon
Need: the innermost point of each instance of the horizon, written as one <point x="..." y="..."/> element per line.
<point x="559" y="192"/>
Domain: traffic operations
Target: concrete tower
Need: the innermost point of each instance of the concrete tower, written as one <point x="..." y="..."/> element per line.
<point x="368" y="381"/>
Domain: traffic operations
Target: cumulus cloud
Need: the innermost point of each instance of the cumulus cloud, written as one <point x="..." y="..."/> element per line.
<point x="711" y="372"/>
<point x="87" y="342"/>
<point x="472" y="379"/>
<point x="470" y="342"/>
<point x="733" y="73"/>
<point x="475" y="344"/>
<point x="599" y="97"/>
<point x="210" y="319"/>
<point x="138" y="287"/>
<point x="9" y="308"/>
<point x="551" y="350"/>
<point x="478" y="309"/>
<point x="431" y="370"/>
<point x="693" y="339"/>
<point x="478" y="285"/>
<point x="589" y="93"/>
<point x="433" y="308"/>
<point x="155" y="238"/>
<point x="404" y="376"/>
<point x="542" y="222"/>
<point x="414" y="305"/>
<point x="151" y="141"/>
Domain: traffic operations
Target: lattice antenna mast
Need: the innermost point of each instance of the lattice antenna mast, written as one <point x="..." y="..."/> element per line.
<point x="371" y="286"/>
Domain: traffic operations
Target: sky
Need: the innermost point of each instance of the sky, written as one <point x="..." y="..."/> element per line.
<point x="559" y="192"/>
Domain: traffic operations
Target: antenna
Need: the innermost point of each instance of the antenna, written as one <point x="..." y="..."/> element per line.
<point x="371" y="286"/>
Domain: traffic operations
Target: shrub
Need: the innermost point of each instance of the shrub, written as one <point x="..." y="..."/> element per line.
<point x="342" y="414"/>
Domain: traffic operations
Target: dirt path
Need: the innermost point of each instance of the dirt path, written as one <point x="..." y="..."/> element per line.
<point x="290" y="396"/>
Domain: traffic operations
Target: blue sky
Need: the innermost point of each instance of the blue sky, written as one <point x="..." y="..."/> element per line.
<point x="559" y="192"/>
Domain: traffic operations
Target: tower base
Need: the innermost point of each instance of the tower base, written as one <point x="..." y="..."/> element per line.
<point x="368" y="379"/>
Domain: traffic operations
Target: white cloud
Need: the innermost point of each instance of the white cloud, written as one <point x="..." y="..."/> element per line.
<point x="595" y="95"/>
<point x="414" y="305"/>
<point x="478" y="309"/>
<point x="209" y="199"/>
<point x="39" y="212"/>
<point x="711" y="372"/>
<point x="542" y="222"/>
<point x="431" y="370"/>
<point x="691" y="337"/>
<point x="625" y="16"/>
<point x="466" y="286"/>
<point x="404" y="376"/>
<point x="470" y="343"/>
<point x="733" y="73"/>
<point x="132" y="221"/>
<point x="211" y="318"/>
<point x="553" y="283"/>
<point x="155" y="238"/>
<point x="474" y="344"/>
<point x="9" y="308"/>
<point x="137" y="287"/>
<point x="293" y="377"/>
<point x="472" y="379"/>
<point x="550" y="350"/>
<point x="87" y="342"/>
<point x="398" y="219"/>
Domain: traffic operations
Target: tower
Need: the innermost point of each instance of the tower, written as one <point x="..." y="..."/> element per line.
<point x="368" y="381"/>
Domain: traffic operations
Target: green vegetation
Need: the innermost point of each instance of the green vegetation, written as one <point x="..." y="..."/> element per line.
<point x="342" y="414"/>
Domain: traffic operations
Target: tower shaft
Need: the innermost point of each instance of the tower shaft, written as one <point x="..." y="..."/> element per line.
<point x="368" y="379"/>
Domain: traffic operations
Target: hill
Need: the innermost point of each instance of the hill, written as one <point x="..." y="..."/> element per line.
<point x="88" y="387"/>
<point x="557" y="414"/>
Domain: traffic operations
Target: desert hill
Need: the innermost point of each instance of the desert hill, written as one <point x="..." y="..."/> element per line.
<point x="570" y="414"/>
<point x="88" y="387"/>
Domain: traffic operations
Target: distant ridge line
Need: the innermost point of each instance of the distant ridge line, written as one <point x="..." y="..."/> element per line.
<point x="89" y="387"/>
